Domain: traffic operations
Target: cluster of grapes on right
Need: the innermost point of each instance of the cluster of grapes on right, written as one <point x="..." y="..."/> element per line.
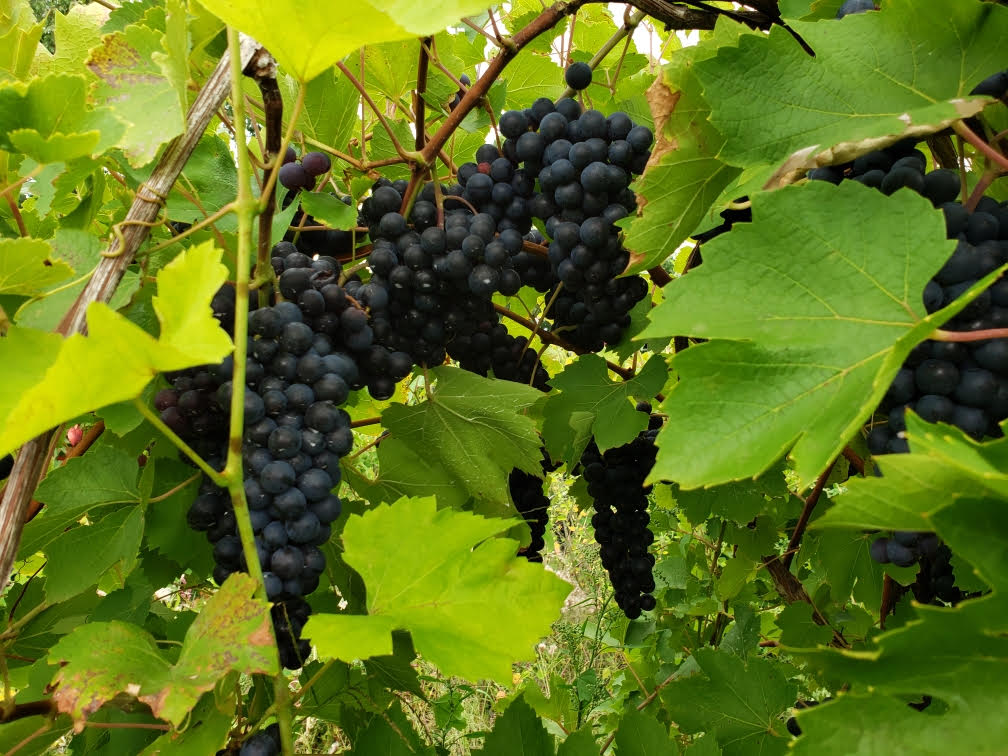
<point x="964" y="384"/>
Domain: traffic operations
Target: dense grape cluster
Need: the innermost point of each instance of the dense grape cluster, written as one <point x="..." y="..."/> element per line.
<point x="429" y="284"/>
<point x="961" y="383"/>
<point x="305" y="355"/>
<point x="583" y="162"/>
<point x="616" y="484"/>
<point x="965" y="384"/>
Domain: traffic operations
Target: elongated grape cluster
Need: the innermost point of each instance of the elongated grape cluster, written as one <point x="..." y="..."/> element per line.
<point x="532" y="504"/>
<point x="616" y="484"/>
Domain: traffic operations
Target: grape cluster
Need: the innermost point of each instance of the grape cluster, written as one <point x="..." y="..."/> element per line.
<point x="532" y="504"/>
<point x="965" y="384"/>
<point x="305" y="355"/>
<point x="961" y="383"/>
<point x="295" y="174"/>
<point x="429" y="284"/>
<point x="935" y="578"/>
<point x="616" y="484"/>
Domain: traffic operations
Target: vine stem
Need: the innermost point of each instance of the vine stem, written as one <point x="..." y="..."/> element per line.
<point x="421" y="89"/>
<point x="30" y="465"/>
<point x="247" y="208"/>
<point x="629" y="24"/>
<point x="982" y="335"/>
<point x="960" y="128"/>
<point x="550" y="338"/>
<point x="408" y="157"/>
<point x="640" y="707"/>
<point x="152" y="417"/>
<point x="806" y="513"/>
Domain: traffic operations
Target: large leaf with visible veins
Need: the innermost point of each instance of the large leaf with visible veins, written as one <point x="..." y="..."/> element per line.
<point x="471" y="605"/>
<point x="905" y="70"/>
<point x="476" y="428"/>
<point x="802" y="345"/>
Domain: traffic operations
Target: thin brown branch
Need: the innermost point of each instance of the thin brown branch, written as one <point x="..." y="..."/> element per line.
<point x="659" y="276"/>
<point x="806" y="513"/>
<point x="960" y="128"/>
<point x="377" y="111"/>
<point x="418" y="97"/>
<point x="967" y="336"/>
<point x="551" y="338"/>
<point x="16" y="212"/>
<point x="43" y="707"/>
<point x="855" y="461"/>
<point x="262" y="68"/>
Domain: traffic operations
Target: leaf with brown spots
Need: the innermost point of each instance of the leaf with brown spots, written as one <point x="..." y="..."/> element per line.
<point x="138" y="77"/>
<point x="102" y="660"/>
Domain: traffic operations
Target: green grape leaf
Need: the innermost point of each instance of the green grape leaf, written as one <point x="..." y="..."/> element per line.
<point x="134" y="74"/>
<point x="402" y="471"/>
<point x="192" y="277"/>
<point x="326" y="33"/>
<point x="28" y="268"/>
<point x="103" y="659"/>
<point x="640" y="734"/>
<point x="518" y="732"/>
<point x="330" y="109"/>
<point x="531" y="76"/>
<point x="78" y="558"/>
<point x="385" y="737"/>
<point x="912" y="488"/>
<point x="579" y="743"/>
<point x="206" y="731"/>
<point x="876" y="725"/>
<point x="798" y="628"/>
<point x="476" y="428"/>
<point x="803" y="347"/>
<point x="48" y="119"/>
<point x="685" y="175"/>
<point x="966" y="648"/>
<point x="211" y="182"/>
<point x="105" y="475"/>
<point x="100" y="660"/>
<point x="118" y="359"/>
<point x="739" y="703"/>
<point x="739" y="502"/>
<point x="19" y="37"/>
<point x="329" y="210"/>
<point x="844" y="558"/>
<point x="472" y="612"/>
<point x="600" y="406"/>
<point x="74" y="35"/>
<point x="876" y="77"/>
